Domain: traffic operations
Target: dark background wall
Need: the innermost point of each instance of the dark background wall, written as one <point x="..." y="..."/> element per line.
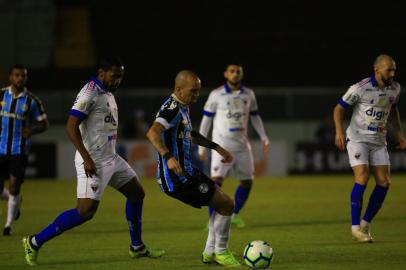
<point x="289" y="43"/>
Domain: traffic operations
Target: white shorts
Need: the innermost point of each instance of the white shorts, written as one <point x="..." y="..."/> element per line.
<point x="242" y="166"/>
<point x="360" y="153"/>
<point x="115" y="173"/>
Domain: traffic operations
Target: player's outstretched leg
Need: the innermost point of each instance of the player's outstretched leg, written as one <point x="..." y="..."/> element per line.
<point x="65" y="221"/>
<point x="133" y="211"/>
<point x="223" y="206"/>
<point x="240" y="197"/>
<point x="134" y="219"/>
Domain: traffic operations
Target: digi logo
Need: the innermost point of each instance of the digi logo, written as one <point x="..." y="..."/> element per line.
<point x="377" y="115"/>
<point x="110" y="119"/>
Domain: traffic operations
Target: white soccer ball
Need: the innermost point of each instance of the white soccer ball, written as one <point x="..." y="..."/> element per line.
<point x="258" y="254"/>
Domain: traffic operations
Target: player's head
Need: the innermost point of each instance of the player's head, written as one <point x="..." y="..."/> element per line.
<point x="234" y="74"/>
<point x="18" y="76"/>
<point x="110" y="72"/>
<point x="187" y="86"/>
<point x="385" y="67"/>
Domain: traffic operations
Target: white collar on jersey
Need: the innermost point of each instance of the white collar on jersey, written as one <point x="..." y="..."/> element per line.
<point x="178" y="100"/>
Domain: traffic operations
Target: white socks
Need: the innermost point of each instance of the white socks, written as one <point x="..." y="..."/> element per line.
<point x="4" y="194"/>
<point x="364" y="224"/>
<point x="211" y="237"/>
<point x="13" y="206"/>
<point x="222" y="226"/>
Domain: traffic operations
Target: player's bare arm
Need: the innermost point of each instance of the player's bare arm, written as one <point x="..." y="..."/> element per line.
<point x="36" y="127"/>
<point x="394" y="119"/>
<point x="72" y="128"/>
<point x="338" y="122"/>
<point x="199" y="139"/>
<point x="154" y="136"/>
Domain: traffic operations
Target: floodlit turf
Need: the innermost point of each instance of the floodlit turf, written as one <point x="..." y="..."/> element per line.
<point x="305" y="219"/>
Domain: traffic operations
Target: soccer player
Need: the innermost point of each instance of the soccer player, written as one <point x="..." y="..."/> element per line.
<point x="374" y="102"/>
<point x="172" y="135"/>
<point x="22" y="115"/>
<point x="92" y="128"/>
<point x="229" y="107"/>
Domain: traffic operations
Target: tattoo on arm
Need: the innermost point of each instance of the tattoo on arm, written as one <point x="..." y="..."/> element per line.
<point x="199" y="139"/>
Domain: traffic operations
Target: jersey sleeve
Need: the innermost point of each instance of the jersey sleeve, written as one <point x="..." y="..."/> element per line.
<point x="211" y="105"/>
<point x="85" y="101"/>
<point x="254" y="105"/>
<point x="37" y="110"/>
<point x="351" y="97"/>
<point x="168" y="115"/>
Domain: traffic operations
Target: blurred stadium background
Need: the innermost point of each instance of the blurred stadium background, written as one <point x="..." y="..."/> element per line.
<point x="299" y="59"/>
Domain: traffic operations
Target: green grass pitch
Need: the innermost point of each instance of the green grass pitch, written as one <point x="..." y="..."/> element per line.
<point x="305" y="219"/>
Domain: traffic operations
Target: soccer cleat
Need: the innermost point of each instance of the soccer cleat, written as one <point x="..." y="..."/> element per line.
<point x="359" y="236"/>
<point x="226" y="259"/>
<point x="237" y="221"/>
<point x="206" y="258"/>
<point x="30" y="253"/>
<point x="146" y="252"/>
<point x="7" y="231"/>
<point x="365" y="229"/>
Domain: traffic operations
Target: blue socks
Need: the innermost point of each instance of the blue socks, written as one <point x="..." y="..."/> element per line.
<point x="65" y="221"/>
<point x="356" y="203"/>
<point x="240" y="197"/>
<point x="133" y="212"/>
<point x="375" y="202"/>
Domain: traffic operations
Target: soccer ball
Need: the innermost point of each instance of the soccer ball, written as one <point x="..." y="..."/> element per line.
<point x="258" y="254"/>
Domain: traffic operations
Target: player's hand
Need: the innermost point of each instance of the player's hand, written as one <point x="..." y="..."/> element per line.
<point x="265" y="147"/>
<point x="227" y="157"/>
<point x="26" y="133"/>
<point x="402" y="142"/>
<point x="174" y="165"/>
<point x="90" y="167"/>
<point x="340" y="141"/>
<point x="204" y="157"/>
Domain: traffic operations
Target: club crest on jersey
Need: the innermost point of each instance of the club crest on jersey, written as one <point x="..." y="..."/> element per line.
<point x="203" y="188"/>
<point x="94" y="186"/>
<point x="2" y="103"/>
<point x="357" y="155"/>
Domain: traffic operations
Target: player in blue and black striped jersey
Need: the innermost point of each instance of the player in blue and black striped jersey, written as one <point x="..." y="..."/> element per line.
<point x="22" y="115"/>
<point x="172" y="135"/>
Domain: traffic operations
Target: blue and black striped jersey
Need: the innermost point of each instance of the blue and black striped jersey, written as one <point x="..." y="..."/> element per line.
<point x="16" y="113"/>
<point x="174" y="116"/>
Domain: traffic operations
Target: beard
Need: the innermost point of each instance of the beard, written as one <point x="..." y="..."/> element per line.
<point x="387" y="82"/>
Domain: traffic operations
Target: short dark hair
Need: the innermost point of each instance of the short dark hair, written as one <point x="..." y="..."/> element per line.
<point x="17" y="66"/>
<point x="108" y="62"/>
<point x="232" y="64"/>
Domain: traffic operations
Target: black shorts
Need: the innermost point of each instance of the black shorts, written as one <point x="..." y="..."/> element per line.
<point x="197" y="191"/>
<point x="13" y="165"/>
